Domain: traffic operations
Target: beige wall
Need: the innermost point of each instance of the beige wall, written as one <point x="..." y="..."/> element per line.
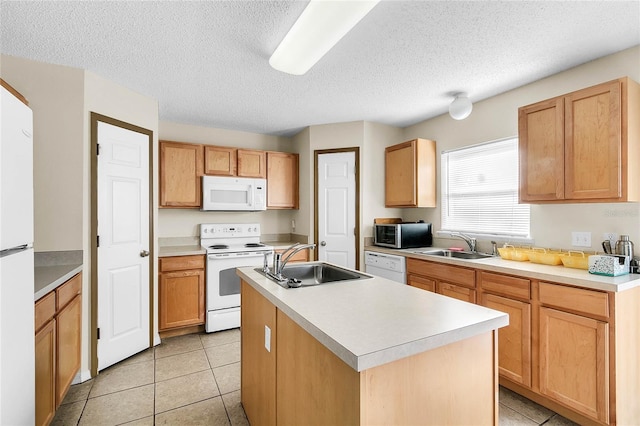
<point x="184" y="222"/>
<point x="496" y="118"/>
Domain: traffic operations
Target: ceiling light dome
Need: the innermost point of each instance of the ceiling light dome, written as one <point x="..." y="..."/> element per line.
<point x="461" y="107"/>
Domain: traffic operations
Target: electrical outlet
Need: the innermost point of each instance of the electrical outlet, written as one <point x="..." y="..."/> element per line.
<point x="611" y="236"/>
<point x="581" y="239"/>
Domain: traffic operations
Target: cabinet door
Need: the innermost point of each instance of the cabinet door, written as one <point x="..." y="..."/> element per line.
<point x="220" y="160"/>
<point x="181" y="299"/>
<point x="181" y="167"/>
<point x="574" y="362"/>
<point x="282" y="180"/>
<point x="514" y="340"/>
<point x="301" y="256"/>
<point x="593" y="134"/>
<point x="45" y="374"/>
<point x="252" y="163"/>
<point x="258" y="374"/>
<point x="457" y="292"/>
<point x="541" y="150"/>
<point x="400" y="175"/>
<point x="68" y="326"/>
<point x="421" y="282"/>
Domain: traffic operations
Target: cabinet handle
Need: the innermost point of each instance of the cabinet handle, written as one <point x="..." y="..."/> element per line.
<point x="144" y="253"/>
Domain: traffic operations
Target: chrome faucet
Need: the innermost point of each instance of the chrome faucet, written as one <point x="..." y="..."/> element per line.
<point x="471" y="242"/>
<point x="279" y="262"/>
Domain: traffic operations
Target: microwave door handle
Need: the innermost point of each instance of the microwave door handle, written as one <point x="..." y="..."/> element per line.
<point x="251" y="195"/>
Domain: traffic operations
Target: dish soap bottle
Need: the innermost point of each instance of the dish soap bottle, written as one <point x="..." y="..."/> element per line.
<point x="624" y="247"/>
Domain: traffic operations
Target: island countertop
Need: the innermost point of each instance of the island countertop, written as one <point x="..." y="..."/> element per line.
<point x="371" y="322"/>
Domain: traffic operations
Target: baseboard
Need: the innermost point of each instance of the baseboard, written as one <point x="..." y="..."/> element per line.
<point x="81" y="377"/>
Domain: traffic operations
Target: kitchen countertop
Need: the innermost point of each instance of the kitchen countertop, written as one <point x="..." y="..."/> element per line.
<point x="53" y="268"/>
<point x="371" y="322"/>
<point x="557" y="274"/>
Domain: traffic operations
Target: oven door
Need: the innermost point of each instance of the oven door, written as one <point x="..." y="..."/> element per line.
<point x="223" y="284"/>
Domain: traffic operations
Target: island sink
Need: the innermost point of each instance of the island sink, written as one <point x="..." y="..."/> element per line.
<point x="456" y="254"/>
<point x="311" y="274"/>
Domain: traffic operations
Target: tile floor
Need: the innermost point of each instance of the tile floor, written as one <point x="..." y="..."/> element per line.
<point x="195" y="380"/>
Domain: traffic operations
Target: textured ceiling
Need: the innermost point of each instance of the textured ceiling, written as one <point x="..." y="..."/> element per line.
<point x="207" y="62"/>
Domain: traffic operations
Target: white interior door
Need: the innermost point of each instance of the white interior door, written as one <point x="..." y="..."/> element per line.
<point x="337" y="208"/>
<point x="123" y="231"/>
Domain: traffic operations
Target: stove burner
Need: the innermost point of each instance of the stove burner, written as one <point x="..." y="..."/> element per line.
<point x="254" y="245"/>
<point x="219" y="247"/>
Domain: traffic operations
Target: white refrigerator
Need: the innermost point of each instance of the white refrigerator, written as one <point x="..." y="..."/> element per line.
<point x="17" y="352"/>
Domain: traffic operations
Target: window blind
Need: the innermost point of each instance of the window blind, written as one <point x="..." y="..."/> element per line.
<point x="480" y="190"/>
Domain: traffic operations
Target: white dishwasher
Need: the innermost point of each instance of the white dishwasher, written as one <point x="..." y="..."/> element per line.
<point x="386" y="266"/>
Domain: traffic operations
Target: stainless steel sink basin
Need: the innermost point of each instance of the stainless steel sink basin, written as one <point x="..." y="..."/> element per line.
<point x="456" y="254"/>
<point x="311" y="274"/>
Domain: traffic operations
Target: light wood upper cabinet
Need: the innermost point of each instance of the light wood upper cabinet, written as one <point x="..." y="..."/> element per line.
<point x="220" y="160"/>
<point x="181" y="292"/>
<point x="282" y="180"/>
<point x="410" y="174"/>
<point x="181" y="169"/>
<point x="581" y="147"/>
<point x="252" y="163"/>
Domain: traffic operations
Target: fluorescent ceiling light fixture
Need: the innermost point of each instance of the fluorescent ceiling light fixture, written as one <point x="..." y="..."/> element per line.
<point x="461" y="107"/>
<point x="320" y="26"/>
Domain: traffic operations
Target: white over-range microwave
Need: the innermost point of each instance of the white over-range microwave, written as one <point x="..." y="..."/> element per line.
<point x="220" y="193"/>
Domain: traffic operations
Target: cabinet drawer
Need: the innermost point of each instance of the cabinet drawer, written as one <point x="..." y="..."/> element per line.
<point x="422" y="282"/>
<point x="575" y="299"/>
<point x="505" y="285"/>
<point x="452" y="274"/>
<point x="67" y="291"/>
<point x="181" y="263"/>
<point x="45" y="309"/>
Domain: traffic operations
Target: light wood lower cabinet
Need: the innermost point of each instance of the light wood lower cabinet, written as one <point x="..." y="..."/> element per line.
<point x="181" y="292"/>
<point x="449" y="280"/>
<point x="574" y="362"/>
<point x="58" y="322"/>
<point x="301" y="256"/>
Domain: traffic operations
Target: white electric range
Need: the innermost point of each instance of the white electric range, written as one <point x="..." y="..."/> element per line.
<point x="229" y="246"/>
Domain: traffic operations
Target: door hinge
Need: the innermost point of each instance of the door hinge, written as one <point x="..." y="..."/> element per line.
<point x="98" y="240"/>
<point x="97" y="149"/>
<point x="98" y="334"/>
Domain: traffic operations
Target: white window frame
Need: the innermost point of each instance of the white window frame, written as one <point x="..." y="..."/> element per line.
<point x="475" y="226"/>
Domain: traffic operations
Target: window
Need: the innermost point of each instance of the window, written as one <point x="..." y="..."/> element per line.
<point x="480" y="190"/>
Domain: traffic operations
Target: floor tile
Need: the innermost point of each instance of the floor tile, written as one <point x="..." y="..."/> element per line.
<point x="558" y="420"/>
<point x="120" y="377"/>
<point x="119" y="407"/>
<point x="220" y="337"/>
<point x="180" y="365"/>
<point x="509" y="417"/>
<point x="234" y="409"/>
<point x="524" y="406"/>
<point x="185" y="390"/>
<point x="79" y="392"/>
<point x="146" y="421"/>
<point x="208" y="412"/>
<point x="146" y="355"/>
<point x="178" y="345"/>
<point x="223" y="354"/>
<point x="68" y="414"/>
<point x="228" y="377"/>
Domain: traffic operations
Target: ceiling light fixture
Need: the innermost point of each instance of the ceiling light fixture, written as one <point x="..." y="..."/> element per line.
<point x="461" y="106"/>
<point x="320" y="26"/>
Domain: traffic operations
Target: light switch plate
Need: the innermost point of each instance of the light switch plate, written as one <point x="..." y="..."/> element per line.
<point x="581" y="239"/>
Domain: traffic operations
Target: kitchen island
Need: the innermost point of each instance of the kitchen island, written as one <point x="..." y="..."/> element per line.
<point x="369" y="351"/>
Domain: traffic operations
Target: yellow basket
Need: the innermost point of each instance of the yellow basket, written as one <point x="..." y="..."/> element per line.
<point x="544" y="256"/>
<point x="575" y="259"/>
<point x="509" y="252"/>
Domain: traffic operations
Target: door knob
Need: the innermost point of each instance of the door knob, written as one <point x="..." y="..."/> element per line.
<point x="144" y="253"/>
<point x="323" y="243"/>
